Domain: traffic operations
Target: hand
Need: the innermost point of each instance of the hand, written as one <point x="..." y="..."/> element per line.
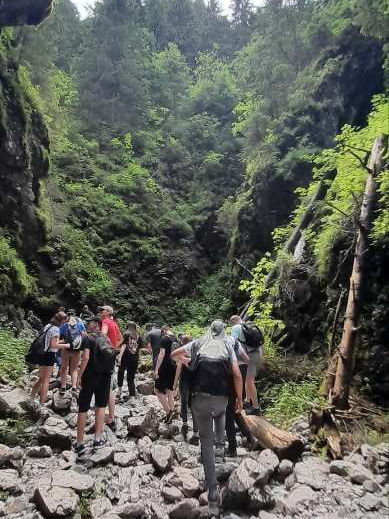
<point x="156" y="376"/>
<point x="175" y="392"/>
<point x="238" y="405"/>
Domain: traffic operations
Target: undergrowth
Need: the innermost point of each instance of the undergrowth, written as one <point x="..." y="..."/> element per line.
<point x="12" y="352"/>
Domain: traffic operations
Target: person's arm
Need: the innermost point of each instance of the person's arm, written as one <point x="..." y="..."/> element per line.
<point x="120" y="337"/>
<point x="238" y="386"/>
<point x="182" y="355"/>
<point x="122" y="350"/>
<point x="84" y="363"/>
<point x="56" y="344"/>
<point x="243" y="355"/>
<point x="161" y="356"/>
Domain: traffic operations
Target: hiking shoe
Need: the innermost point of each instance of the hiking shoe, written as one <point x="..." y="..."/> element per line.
<point x="111" y="425"/>
<point x="99" y="444"/>
<point x="219" y="455"/>
<point x="254" y="411"/>
<point x="80" y="450"/>
<point x="195" y="439"/>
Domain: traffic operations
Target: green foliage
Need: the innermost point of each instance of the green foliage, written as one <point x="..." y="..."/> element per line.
<point x="290" y="400"/>
<point x="15" y="282"/>
<point x="12" y="352"/>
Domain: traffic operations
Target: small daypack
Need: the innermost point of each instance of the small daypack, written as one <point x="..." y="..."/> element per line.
<point x="254" y="339"/>
<point x="37" y="347"/>
<point x="73" y="335"/>
<point x="104" y="355"/>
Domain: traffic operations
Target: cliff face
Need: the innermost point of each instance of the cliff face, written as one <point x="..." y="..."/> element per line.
<point x="23" y="12"/>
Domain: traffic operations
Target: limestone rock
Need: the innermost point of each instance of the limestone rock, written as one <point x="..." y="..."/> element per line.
<point x="184" y="479"/>
<point x="56" y="502"/>
<point x="62" y="403"/>
<point x="302" y="494"/>
<point x="224" y="470"/>
<point x="369" y="502"/>
<point x="55" y="433"/>
<point x="239" y="483"/>
<point x="9" y="456"/>
<point x="341" y="468"/>
<point x="146" y="387"/>
<point x="285" y="468"/>
<point x="16" y="402"/>
<point x="43" y="451"/>
<point x="172" y="494"/>
<point x="68" y="479"/>
<point x="10" y="482"/>
<point x="312" y="472"/>
<point x="260" y="498"/>
<point x="359" y="474"/>
<point x="142" y="425"/>
<point x="125" y="459"/>
<point x="102" y="456"/>
<point x="130" y="511"/>
<point x="186" y="509"/>
<point x="99" y="507"/>
<point x="267" y="463"/>
<point x="161" y="458"/>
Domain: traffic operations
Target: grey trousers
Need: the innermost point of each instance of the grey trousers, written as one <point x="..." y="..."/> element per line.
<point x="210" y="413"/>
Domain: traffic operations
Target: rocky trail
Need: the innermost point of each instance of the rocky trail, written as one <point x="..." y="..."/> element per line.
<point x="149" y="471"/>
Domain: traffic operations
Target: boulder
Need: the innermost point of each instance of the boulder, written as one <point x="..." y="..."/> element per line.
<point x="61" y="403"/>
<point x="267" y="463"/>
<point x="144" y="447"/>
<point x="68" y="479"/>
<point x="312" y="472"/>
<point x="55" y="433"/>
<point x="143" y="425"/>
<point x="56" y="502"/>
<point x="10" y="482"/>
<point x="369" y="502"/>
<point x="125" y="459"/>
<point x="186" y="509"/>
<point x="16" y="402"/>
<point x="172" y="494"/>
<point x="43" y="451"/>
<point x="161" y="458"/>
<point x="145" y="388"/>
<point x="99" y="507"/>
<point x="183" y="478"/>
<point x="260" y="498"/>
<point x="302" y="494"/>
<point x="8" y="456"/>
<point x="239" y="483"/>
<point x="341" y="468"/>
<point x="19" y="505"/>
<point x="284" y="470"/>
<point x="224" y="470"/>
<point x="131" y="511"/>
<point x="102" y="456"/>
<point x="359" y="474"/>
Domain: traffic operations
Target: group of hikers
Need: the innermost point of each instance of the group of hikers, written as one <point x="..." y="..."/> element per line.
<point x="214" y="374"/>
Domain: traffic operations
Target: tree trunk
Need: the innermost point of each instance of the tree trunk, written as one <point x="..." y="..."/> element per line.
<point x="343" y="375"/>
<point x="284" y="444"/>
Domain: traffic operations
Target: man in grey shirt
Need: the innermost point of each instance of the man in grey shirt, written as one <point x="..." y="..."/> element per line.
<point x="153" y="341"/>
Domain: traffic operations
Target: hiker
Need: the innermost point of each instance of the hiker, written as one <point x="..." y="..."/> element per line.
<point x="110" y="328"/>
<point x="254" y="352"/>
<point x="231" y="416"/>
<point x="46" y="360"/>
<point x="86" y="313"/>
<point x="129" y="358"/>
<point x="94" y="379"/>
<point x="71" y="332"/>
<point x="164" y="374"/>
<point x="183" y="379"/>
<point x="213" y="366"/>
<point x="153" y="341"/>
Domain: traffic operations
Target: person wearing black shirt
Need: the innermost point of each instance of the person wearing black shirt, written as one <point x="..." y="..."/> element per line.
<point x="129" y="358"/>
<point x="92" y="384"/>
<point x="164" y="373"/>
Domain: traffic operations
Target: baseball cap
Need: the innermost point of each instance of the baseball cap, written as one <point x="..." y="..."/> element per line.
<point x="106" y="307"/>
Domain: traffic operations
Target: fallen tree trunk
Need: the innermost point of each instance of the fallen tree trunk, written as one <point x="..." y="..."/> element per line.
<point x="341" y="388"/>
<point x="284" y="444"/>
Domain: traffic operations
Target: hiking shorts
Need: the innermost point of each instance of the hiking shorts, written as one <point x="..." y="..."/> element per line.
<point x="99" y="386"/>
<point x="47" y="359"/>
<point x="254" y="363"/>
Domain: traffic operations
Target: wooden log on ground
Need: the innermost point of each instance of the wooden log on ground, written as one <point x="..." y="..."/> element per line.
<point x="286" y="445"/>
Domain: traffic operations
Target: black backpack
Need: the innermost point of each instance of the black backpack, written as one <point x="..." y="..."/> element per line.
<point x="37" y="348"/>
<point x="104" y="355"/>
<point x="254" y="339"/>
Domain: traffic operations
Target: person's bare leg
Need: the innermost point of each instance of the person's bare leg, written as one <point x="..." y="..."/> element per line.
<point x="170" y="399"/>
<point x="73" y="367"/>
<point x="47" y="371"/>
<point x="163" y="400"/>
<point x="251" y="391"/>
<point x="99" y="422"/>
<point x="111" y="407"/>
<point x="64" y="368"/>
<point x="81" y="423"/>
<point x="37" y="385"/>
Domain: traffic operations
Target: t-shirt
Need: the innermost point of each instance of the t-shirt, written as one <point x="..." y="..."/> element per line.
<point x="112" y="332"/>
<point x="52" y="331"/>
<point x="89" y="343"/>
<point x="154" y="338"/>
<point x="238" y="349"/>
<point x="237" y="332"/>
<point x="132" y="345"/>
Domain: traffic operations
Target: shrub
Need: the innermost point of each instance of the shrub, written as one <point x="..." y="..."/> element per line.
<point x="12" y="351"/>
<point x="15" y="283"/>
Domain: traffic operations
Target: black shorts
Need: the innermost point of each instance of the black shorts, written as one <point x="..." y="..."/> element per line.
<point x="46" y="359"/>
<point x="165" y="380"/>
<point x="98" y="385"/>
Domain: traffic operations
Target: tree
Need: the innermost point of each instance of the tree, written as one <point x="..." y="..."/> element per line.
<point x="241" y="12"/>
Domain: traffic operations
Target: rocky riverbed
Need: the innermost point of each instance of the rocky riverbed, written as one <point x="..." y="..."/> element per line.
<point x="149" y="471"/>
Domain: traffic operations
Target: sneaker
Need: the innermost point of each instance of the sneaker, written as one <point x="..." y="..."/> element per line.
<point x="99" y="444"/>
<point x="195" y="439"/>
<point x="80" y="450"/>
<point x="111" y="425"/>
<point x="254" y="411"/>
<point x="247" y="406"/>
